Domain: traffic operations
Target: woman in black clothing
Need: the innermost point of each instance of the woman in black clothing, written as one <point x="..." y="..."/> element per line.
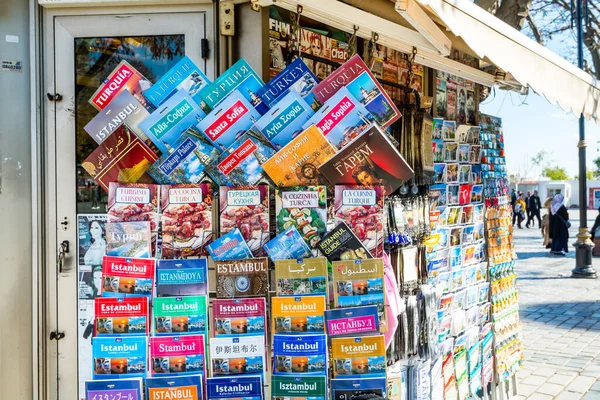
<point x="596" y="225"/>
<point x="559" y="226"/>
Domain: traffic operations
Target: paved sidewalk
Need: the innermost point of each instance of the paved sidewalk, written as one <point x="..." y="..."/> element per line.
<point x="561" y="321"/>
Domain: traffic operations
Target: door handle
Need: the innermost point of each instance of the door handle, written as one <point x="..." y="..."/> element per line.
<point x="63" y="250"/>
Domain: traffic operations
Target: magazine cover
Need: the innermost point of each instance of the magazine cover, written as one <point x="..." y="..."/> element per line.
<point x="451" y="100"/>
<point x="297" y="163"/>
<point x="360" y="283"/>
<point x="306" y="209"/>
<point x="130" y="389"/>
<point x="298" y="315"/>
<point x="237" y="356"/>
<point x="300" y="355"/>
<point x="233" y="317"/>
<point x="288" y="244"/>
<point x="124" y="77"/>
<point x="235" y="387"/>
<point x="177" y="355"/>
<point x="341" y="119"/>
<point x="358" y="357"/>
<point x="230" y="246"/>
<point x="246" y="208"/>
<point x="352" y="321"/>
<point x="242" y="278"/>
<point x="186" y="315"/>
<point x="370" y="160"/>
<point x="301" y="276"/>
<point x="127" y="277"/>
<point x="122" y="157"/>
<point x="284" y="121"/>
<point x="361" y="208"/>
<point x="124" y="316"/>
<point x="298" y="387"/>
<point x="91" y="248"/>
<point x="185" y="75"/>
<point x="176" y="278"/>
<point x="347" y="389"/>
<point x="296" y="77"/>
<point x="128" y="239"/>
<point x="186" y="217"/>
<point x="119" y="357"/>
<point x="174" y="388"/>
<point x="165" y="125"/>
<point x="240" y="76"/>
<point x="342" y="244"/>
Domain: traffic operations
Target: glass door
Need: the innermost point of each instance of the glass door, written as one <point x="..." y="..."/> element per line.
<point x="87" y="48"/>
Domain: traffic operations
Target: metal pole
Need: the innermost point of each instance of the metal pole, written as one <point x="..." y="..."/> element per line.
<point x="583" y="245"/>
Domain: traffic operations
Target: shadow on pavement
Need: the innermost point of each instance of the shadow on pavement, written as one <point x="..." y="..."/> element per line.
<point x="573" y="315"/>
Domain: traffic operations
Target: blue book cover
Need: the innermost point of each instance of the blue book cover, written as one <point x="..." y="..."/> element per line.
<point x="185" y="75"/>
<point x="176" y="278"/>
<point x="296" y="77"/>
<point x="304" y="355"/>
<point x="341" y="119"/>
<point x="240" y="76"/>
<point x="346" y="389"/>
<point x="352" y="321"/>
<point x="235" y="387"/>
<point x="126" y="389"/>
<point x="284" y="121"/>
<point x="230" y="246"/>
<point x="174" y="388"/>
<point x="120" y="357"/>
<point x="166" y="125"/>
<point x="228" y="121"/>
<point x="288" y="244"/>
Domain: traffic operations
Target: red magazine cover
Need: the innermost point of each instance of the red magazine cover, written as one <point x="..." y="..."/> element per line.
<point x="123" y="77"/>
<point x="121" y="316"/>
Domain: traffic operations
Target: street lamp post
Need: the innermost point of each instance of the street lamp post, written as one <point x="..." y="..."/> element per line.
<point x="583" y="245"/>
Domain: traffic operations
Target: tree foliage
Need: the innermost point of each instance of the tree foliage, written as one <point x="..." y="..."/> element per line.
<point x="555" y="173"/>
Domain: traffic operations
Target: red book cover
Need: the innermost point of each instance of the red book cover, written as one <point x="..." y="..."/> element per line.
<point x="123" y="77"/>
<point x="127" y="277"/>
<point x="121" y="316"/>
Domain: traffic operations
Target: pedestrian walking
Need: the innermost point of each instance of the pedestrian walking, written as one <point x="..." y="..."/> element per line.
<point x="520" y="210"/>
<point x="527" y="205"/>
<point x="513" y="201"/>
<point x="533" y="209"/>
<point x="546" y="224"/>
<point x="596" y="226"/>
<point x="559" y="226"/>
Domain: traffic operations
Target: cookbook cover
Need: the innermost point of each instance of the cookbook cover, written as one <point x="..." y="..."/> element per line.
<point x="301" y="276"/>
<point x="300" y="355"/>
<point x="123" y="77"/>
<point x="347" y="389"/>
<point x="298" y="315"/>
<point x="128" y="239"/>
<point x="298" y="387"/>
<point x="288" y="244"/>
<point x="358" y="79"/>
<point x="130" y="389"/>
<point x="230" y="246"/>
<point x="174" y="388"/>
<point x="177" y="355"/>
<point x="235" y="388"/>
<point x="246" y="208"/>
<point x="370" y="160"/>
<point x="358" y="357"/>
<point x="185" y="75"/>
<point x="119" y="357"/>
<point x="297" y="164"/>
<point x="233" y="317"/>
<point x="176" y="278"/>
<point x="121" y="316"/>
<point x="186" y="315"/>
<point x="242" y="278"/>
<point x="127" y="277"/>
<point x="122" y="157"/>
<point x="237" y="356"/>
<point x="352" y="321"/>
<point x="296" y="77"/>
<point x="342" y="244"/>
<point x="360" y="283"/>
<point x="361" y="208"/>
<point x="186" y="217"/>
<point x="306" y="209"/>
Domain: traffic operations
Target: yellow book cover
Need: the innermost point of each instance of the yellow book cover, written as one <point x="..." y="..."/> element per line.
<point x="302" y="276"/>
<point x="300" y="314"/>
<point x="360" y="357"/>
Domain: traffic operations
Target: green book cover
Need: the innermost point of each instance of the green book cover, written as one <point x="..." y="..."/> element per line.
<point x="180" y="315"/>
<point x="299" y="388"/>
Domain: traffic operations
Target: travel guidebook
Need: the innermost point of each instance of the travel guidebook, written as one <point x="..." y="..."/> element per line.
<point x="235" y="388"/>
<point x="122" y="157"/>
<point x="358" y="357"/>
<point x="232" y="317"/>
<point x="242" y="278"/>
<point x="360" y="283"/>
<point x="180" y="315"/>
<point x="300" y="355"/>
<point x="370" y="160"/>
<point x="174" y="388"/>
<point x="361" y="208"/>
<point x="126" y="389"/>
<point x="297" y="164"/>
<point x="186" y="217"/>
<point x="123" y="77"/>
<point x="185" y="75"/>
<point x="358" y="79"/>
<point x="230" y="246"/>
<point x="342" y="244"/>
<point x="348" y="389"/>
<point x="301" y="276"/>
<point x="298" y="315"/>
<point x="352" y="321"/>
<point x="288" y="244"/>
<point x="177" y="355"/>
<point x="306" y="209"/>
<point x="119" y="357"/>
<point x="246" y="208"/>
<point x="237" y="356"/>
<point x="127" y="277"/>
<point x="128" y="239"/>
<point x="305" y="387"/>
<point x="176" y="278"/>
<point x="124" y="316"/>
